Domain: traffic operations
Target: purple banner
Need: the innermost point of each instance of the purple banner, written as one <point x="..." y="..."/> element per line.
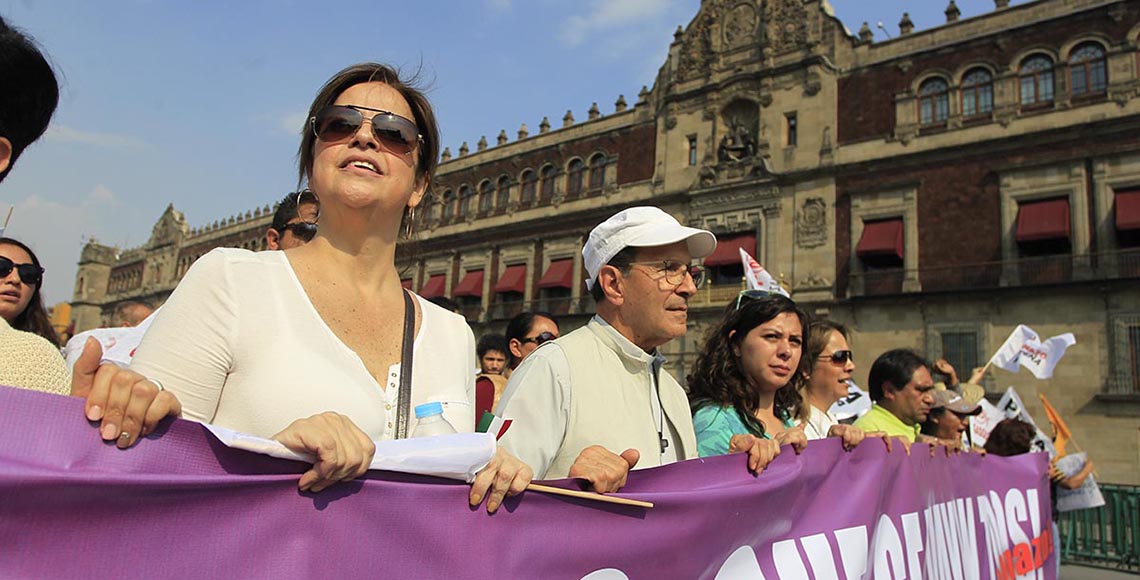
<point x="181" y="505"/>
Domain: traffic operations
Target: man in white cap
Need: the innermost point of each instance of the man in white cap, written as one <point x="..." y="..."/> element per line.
<point x="595" y="402"/>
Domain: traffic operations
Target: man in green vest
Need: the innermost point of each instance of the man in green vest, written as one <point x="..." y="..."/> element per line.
<point x="901" y="387"/>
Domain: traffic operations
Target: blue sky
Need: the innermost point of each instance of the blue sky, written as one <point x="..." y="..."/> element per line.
<point x="200" y="103"/>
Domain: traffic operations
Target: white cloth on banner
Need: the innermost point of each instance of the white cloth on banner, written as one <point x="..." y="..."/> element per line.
<point x="119" y="344"/>
<point x="1024" y="348"/>
<point x="458" y="456"/>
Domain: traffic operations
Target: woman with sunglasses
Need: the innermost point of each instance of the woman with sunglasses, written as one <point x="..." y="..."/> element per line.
<point x="526" y="332"/>
<point x="341" y="328"/>
<point x="831" y="363"/>
<point x="745" y="379"/>
<point x="29" y="347"/>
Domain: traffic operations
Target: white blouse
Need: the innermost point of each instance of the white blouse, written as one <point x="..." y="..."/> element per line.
<point x="241" y="346"/>
<point x="819" y="423"/>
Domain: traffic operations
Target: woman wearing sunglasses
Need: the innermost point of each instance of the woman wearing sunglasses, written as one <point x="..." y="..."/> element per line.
<point x="311" y="345"/>
<point x="29" y="348"/>
<point x="831" y="363"/>
<point x="745" y="379"/>
<point x="526" y="332"/>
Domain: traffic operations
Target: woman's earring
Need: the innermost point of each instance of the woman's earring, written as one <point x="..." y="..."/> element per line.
<point x="410" y="223"/>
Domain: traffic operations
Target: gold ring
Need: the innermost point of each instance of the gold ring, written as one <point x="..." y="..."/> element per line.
<point x="124" y="435"/>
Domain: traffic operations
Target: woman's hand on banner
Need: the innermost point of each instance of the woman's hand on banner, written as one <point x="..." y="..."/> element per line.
<point x="605" y="470"/>
<point x="794" y="437"/>
<point x="125" y="403"/>
<point x="504" y="476"/>
<point x="851" y="435"/>
<point x="760" y="451"/>
<point x="343" y="450"/>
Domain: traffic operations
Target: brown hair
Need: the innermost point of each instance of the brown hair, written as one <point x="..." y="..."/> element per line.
<point x="816" y="339"/>
<point x="369" y="72"/>
<point x="717" y="378"/>
<point x="34" y="318"/>
<point x="1010" y="437"/>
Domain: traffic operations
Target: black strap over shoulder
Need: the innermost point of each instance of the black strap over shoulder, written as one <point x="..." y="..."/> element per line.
<point x="404" y="398"/>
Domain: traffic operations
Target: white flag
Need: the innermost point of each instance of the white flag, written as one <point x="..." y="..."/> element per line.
<point x="758" y="278"/>
<point x="855" y="404"/>
<point x="1024" y="348"/>
<point x="1011" y="405"/>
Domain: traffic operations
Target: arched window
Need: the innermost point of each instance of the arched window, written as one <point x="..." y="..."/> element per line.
<point x="977" y="93"/>
<point x="464" y="200"/>
<point x="574" y="175"/>
<point x="546" y="187"/>
<point x="597" y="172"/>
<point x="1087" y="73"/>
<point x="486" y="197"/>
<point x="933" y="102"/>
<point x="1036" y="76"/>
<point x="448" y="205"/>
<point x="504" y="192"/>
<point x="529" y="186"/>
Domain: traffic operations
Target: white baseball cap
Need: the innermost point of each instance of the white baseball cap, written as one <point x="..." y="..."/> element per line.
<point x="640" y="227"/>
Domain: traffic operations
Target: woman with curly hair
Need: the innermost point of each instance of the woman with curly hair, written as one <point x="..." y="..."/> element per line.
<point x="746" y="377"/>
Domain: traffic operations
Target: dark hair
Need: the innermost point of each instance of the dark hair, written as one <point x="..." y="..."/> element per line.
<point x="489" y="342"/>
<point x="34" y="318"/>
<point x="895" y="367"/>
<point x="520" y="326"/>
<point x="717" y="378"/>
<point x="1010" y="437"/>
<point x="287" y="207"/>
<point x="368" y="72"/>
<point x="30" y="96"/>
<point x="622" y="261"/>
<point x="929" y="427"/>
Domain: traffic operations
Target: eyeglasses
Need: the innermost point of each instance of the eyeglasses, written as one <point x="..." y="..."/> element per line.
<point x="339" y="122"/>
<point x="540" y="338"/>
<point x="30" y="274"/>
<point x="839" y="357"/>
<point x="675" y="271"/>
<point x="303" y="230"/>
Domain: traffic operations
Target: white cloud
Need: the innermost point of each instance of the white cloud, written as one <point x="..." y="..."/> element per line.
<point x="292" y="122"/>
<point x="605" y="14"/>
<point x="65" y="134"/>
<point x="101" y="195"/>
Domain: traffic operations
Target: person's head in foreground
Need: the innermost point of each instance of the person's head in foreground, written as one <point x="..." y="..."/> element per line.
<point x="900" y="382"/>
<point x="755" y="352"/>
<point x="29" y="98"/>
<point x="949" y="415"/>
<point x="294" y="222"/>
<point x="131" y="313"/>
<point x="527" y="331"/>
<point x="21" y="277"/>
<point x="1010" y="437"/>
<point x="641" y="276"/>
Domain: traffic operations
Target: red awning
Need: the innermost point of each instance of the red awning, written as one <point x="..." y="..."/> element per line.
<point x="560" y="274"/>
<point x="513" y="279"/>
<point x="728" y="248"/>
<point x="881" y="238"/>
<point x="1128" y="210"/>
<point x="470" y="285"/>
<point x="434" y="287"/>
<point x="406" y="283"/>
<point x="1043" y="220"/>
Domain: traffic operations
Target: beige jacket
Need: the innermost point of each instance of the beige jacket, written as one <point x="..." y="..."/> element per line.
<point x="594" y="387"/>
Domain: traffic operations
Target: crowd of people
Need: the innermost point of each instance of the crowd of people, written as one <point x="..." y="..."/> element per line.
<point x="352" y="350"/>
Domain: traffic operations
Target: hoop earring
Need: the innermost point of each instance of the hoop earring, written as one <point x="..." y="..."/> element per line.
<point x="410" y="224"/>
<point x="316" y="199"/>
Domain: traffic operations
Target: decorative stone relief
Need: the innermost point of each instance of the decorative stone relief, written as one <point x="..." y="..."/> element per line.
<point x="739" y="26"/>
<point x="696" y="55"/>
<point x="813" y="281"/>
<point x="787" y="26"/>
<point x="811" y="223"/>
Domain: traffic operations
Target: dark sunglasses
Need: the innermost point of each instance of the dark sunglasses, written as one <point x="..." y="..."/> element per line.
<point x="839" y="357"/>
<point x="540" y="338"/>
<point x="303" y="230"/>
<point x="339" y="122"/>
<point x="30" y="274"/>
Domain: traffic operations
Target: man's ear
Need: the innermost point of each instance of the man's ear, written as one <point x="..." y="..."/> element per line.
<point x="272" y="239"/>
<point x="889" y="391"/>
<point x="610" y="278"/>
<point x="5" y="154"/>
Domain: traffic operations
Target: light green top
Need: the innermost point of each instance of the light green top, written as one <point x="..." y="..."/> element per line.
<point x="880" y="419"/>
<point x="715" y="425"/>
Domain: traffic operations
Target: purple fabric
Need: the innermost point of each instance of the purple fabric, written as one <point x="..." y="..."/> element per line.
<point x="180" y="505"/>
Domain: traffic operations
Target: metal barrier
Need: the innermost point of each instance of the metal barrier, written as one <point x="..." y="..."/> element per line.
<point x="1106" y="536"/>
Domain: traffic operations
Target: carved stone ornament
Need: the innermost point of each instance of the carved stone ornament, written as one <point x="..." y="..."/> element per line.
<point x="787" y="25"/>
<point x="811" y="223"/>
<point x="696" y="55"/>
<point x="770" y="195"/>
<point x="813" y="281"/>
<point x="739" y="26"/>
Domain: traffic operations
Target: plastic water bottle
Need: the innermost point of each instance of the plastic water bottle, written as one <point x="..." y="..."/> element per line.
<point x="430" y="421"/>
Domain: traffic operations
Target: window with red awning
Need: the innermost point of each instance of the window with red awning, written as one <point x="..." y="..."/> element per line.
<point x="1128" y="210"/>
<point x="728" y="248"/>
<point x="512" y="280"/>
<point x="1043" y="220"/>
<point x="470" y="285"/>
<point x="560" y="274"/>
<point x="881" y="238"/>
<point x="434" y="287"/>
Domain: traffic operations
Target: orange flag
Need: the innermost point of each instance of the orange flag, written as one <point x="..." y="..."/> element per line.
<point x="1063" y="435"/>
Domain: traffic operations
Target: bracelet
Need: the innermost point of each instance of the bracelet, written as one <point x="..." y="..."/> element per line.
<point x="158" y="384"/>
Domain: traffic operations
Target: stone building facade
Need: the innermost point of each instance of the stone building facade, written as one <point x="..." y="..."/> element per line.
<point x="931" y="191"/>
